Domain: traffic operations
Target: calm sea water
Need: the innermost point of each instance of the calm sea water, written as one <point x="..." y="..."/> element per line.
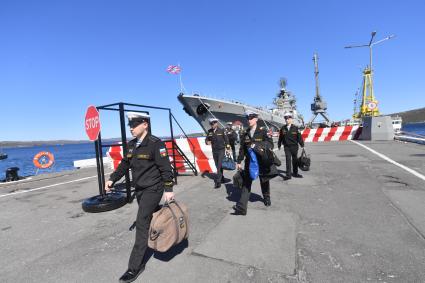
<point x="417" y="128"/>
<point x="65" y="155"/>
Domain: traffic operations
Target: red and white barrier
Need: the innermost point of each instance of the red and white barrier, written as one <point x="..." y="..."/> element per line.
<point x="331" y="134"/>
<point x="115" y="153"/>
<point x="200" y="153"/>
<point x="196" y="151"/>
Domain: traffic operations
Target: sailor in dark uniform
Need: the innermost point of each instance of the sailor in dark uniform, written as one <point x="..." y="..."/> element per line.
<point x="258" y="139"/>
<point x="290" y="137"/>
<point x="152" y="177"/>
<point x="232" y="136"/>
<point x="217" y="138"/>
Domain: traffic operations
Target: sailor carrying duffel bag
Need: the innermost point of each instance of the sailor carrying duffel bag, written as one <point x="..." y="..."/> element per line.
<point x="304" y="161"/>
<point x="169" y="226"/>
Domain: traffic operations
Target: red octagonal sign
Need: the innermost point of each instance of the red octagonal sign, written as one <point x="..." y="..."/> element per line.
<point x="92" y="123"/>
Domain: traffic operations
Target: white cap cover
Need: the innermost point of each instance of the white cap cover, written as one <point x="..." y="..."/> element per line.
<point x="137" y="116"/>
<point x="250" y="113"/>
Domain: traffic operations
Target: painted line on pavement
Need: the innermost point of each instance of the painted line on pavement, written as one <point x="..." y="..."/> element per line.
<point x="411" y="171"/>
<point x="14" y="182"/>
<point x="45" y="187"/>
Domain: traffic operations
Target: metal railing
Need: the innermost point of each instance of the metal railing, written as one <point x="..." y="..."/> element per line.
<point x="121" y="108"/>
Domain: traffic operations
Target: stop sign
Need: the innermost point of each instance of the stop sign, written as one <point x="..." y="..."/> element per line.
<point x="92" y="123"/>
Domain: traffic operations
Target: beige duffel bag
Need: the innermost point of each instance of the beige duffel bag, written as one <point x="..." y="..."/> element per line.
<point x="169" y="226"/>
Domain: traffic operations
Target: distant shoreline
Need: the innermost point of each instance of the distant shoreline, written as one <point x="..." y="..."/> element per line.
<point x="9" y="144"/>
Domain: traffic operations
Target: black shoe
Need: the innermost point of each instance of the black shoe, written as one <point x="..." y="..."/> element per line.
<point x="287" y="178"/>
<point x="297" y="176"/>
<point x="267" y="202"/>
<point x="217" y="185"/>
<point x="131" y="275"/>
<point x="238" y="211"/>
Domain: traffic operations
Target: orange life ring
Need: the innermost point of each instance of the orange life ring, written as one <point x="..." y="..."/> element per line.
<point x="43" y="160"/>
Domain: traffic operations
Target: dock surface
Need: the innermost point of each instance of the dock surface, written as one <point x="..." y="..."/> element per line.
<point x="354" y="217"/>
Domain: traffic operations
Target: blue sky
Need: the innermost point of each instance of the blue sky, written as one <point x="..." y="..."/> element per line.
<point x="58" y="57"/>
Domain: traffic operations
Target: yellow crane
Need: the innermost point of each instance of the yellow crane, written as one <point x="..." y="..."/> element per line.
<point x="369" y="104"/>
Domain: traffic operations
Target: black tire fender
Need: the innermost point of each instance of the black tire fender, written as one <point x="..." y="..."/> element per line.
<point x="103" y="203"/>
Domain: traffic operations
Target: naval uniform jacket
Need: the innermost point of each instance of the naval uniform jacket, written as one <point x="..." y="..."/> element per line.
<point x="231" y="134"/>
<point x="291" y="137"/>
<point x="149" y="164"/>
<point x="218" y="139"/>
<point x="261" y="140"/>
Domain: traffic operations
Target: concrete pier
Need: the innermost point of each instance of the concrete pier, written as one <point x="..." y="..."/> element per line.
<point x="354" y="217"/>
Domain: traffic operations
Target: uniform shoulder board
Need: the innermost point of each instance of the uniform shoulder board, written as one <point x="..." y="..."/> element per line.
<point x="154" y="139"/>
<point x="132" y="142"/>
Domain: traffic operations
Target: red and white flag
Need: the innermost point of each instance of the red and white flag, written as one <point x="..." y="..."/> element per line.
<point x="173" y="69"/>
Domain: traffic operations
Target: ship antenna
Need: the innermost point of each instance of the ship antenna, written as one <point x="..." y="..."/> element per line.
<point x="283" y="82"/>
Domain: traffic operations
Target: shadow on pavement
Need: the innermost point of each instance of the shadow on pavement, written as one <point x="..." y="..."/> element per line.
<point x="168" y="255"/>
<point x="234" y="194"/>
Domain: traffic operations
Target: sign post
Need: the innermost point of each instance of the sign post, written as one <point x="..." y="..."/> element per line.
<point x="92" y="126"/>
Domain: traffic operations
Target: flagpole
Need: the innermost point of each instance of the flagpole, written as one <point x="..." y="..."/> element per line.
<point x="181" y="84"/>
<point x="180" y="79"/>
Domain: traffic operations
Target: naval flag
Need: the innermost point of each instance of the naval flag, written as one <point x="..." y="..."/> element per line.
<point x="173" y="69"/>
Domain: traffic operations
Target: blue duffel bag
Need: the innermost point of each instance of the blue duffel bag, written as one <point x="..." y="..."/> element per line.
<point x="254" y="168"/>
<point x="228" y="163"/>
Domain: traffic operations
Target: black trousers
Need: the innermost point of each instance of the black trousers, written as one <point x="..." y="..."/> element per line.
<point x="291" y="152"/>
<point x="232" y="146"/>
<point x="148" y="200"/>
<point x="246" y="191"/>
<point x="218" y="156"/>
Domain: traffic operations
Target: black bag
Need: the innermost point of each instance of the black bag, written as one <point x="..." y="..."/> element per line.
<point x="238" y="179"/>
<point x="265" y="156"/>
<point x="304" y="161"/>
<point x="276" y="160"/>
<point x="228" y="163"/>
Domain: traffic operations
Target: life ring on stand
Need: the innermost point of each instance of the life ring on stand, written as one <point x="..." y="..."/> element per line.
<point x="43" y="160"/>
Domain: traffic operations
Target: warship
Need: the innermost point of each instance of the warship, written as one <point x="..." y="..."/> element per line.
<point x="202" y="108"/>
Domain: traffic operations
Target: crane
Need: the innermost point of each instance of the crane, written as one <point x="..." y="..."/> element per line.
<point x="319" y="106"/>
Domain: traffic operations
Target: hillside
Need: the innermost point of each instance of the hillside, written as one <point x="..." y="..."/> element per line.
<point x="412" y="116"/>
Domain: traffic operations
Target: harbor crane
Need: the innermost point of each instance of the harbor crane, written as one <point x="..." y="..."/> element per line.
<point x="319" y="106"/>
